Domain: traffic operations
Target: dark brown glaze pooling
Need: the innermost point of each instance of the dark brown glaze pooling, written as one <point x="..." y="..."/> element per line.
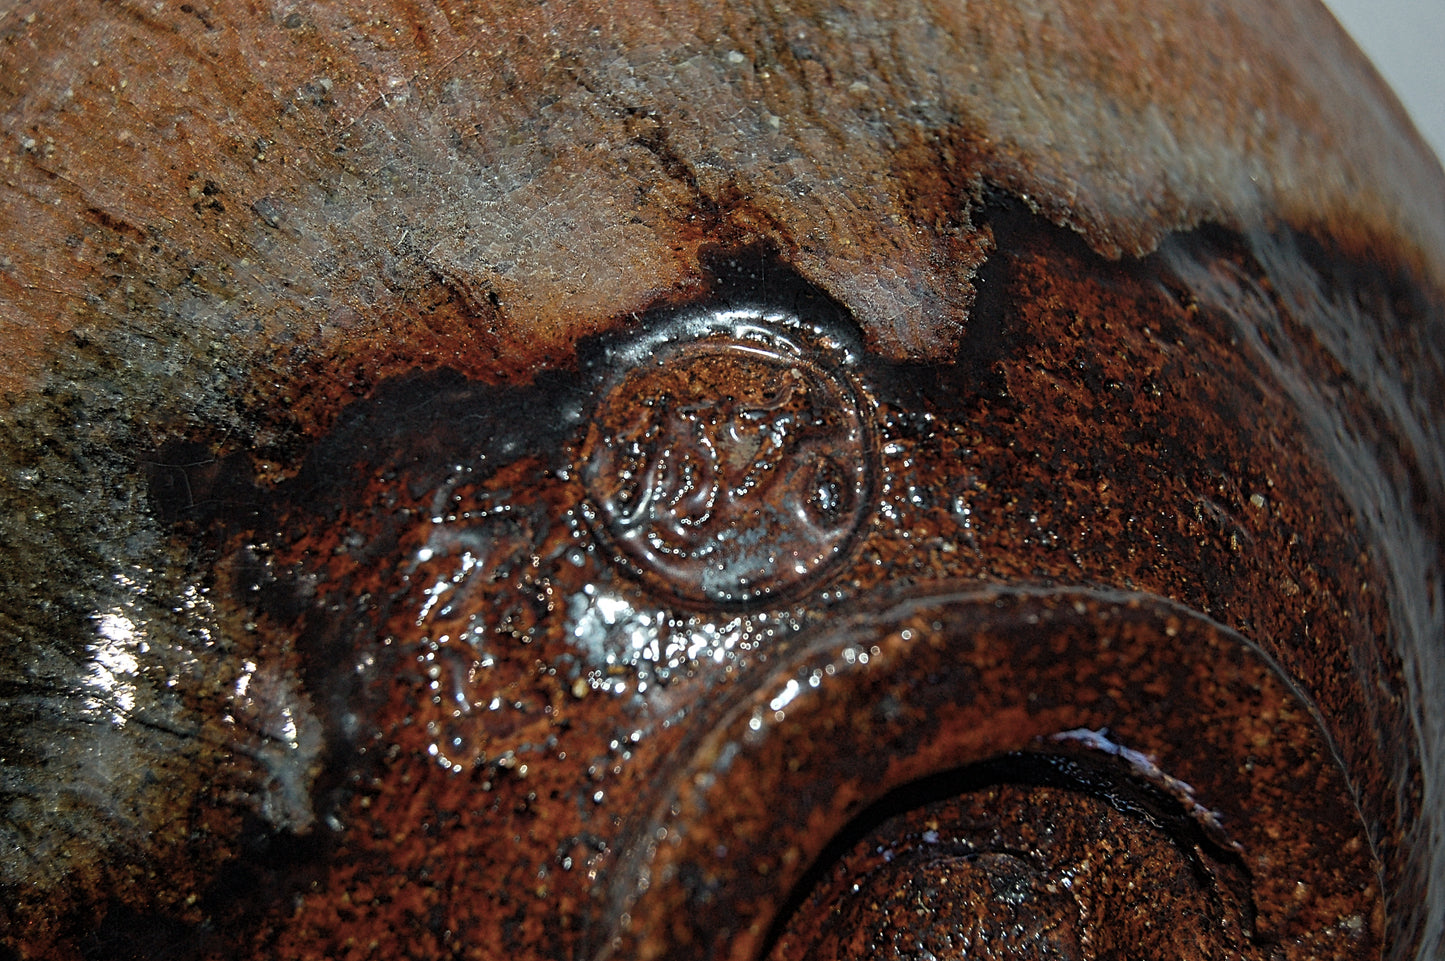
<point x="320" y="642"/>
<point x="494" y="691"/>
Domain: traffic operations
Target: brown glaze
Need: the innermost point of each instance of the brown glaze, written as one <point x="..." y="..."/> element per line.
<point x="942" y="676"/>
<point x="545" y="483"/>
<point x="1007" y="872"/>
<point x="727" y="466"/>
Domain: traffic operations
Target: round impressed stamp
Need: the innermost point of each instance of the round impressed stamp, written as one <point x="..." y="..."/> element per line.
<point x="729" y="465"/>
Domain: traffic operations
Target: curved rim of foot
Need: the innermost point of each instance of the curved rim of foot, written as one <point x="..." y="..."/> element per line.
<point x="939" y="681"/>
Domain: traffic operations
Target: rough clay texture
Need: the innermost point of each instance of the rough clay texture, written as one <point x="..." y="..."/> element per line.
<point x="233" y="235"/>
<point x="281" y="181"/>
<point x="510" y="715"/>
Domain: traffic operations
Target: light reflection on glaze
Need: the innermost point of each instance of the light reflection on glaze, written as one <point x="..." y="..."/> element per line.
<point x="113" y="665"/>
<point x="491" y="656"/>
<point x="730" y="465"/>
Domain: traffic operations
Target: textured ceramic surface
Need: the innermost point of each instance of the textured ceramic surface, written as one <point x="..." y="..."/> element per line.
<point x="717" y="482"/>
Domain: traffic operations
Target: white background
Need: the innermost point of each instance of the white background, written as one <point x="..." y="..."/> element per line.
<point x="1406" y="41"/>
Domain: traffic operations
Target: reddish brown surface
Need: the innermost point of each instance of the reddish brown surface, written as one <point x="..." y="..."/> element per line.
<point x="346" y="174"/>
<point x="324" y="317"/>
<point x="1004" y="872"/>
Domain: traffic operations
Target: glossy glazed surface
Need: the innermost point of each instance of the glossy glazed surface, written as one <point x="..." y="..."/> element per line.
<point x="508" y="482"/>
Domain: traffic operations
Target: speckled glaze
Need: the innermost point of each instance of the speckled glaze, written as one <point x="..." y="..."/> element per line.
<point x="728" y="482"/>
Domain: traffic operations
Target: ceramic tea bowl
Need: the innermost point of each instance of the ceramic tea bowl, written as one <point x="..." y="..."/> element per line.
<point x="717" y="481"/>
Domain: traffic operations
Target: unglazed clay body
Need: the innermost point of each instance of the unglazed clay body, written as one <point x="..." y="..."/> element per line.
<point x="716" y="481"/>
